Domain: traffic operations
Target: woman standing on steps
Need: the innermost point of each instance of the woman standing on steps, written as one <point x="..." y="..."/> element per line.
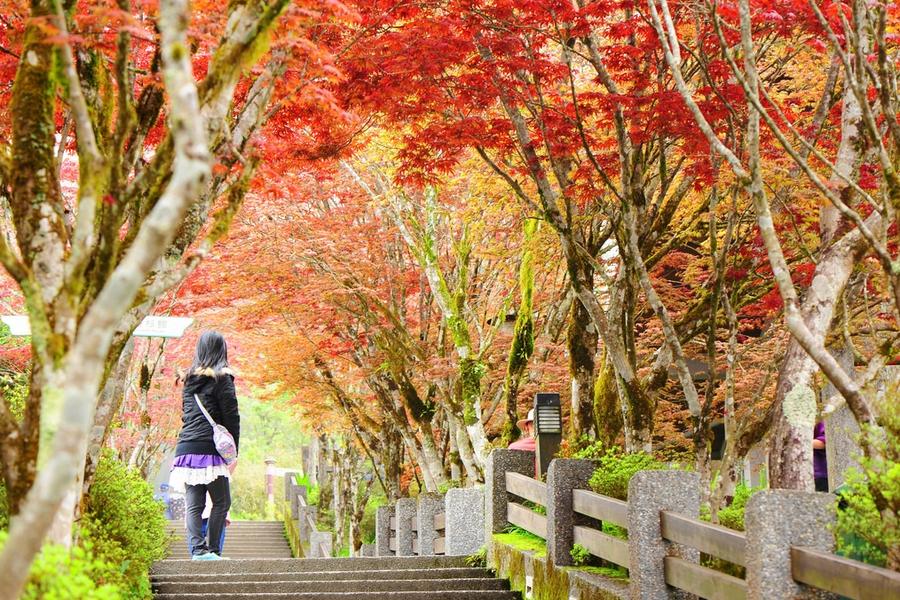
<point x="198" y="468"/>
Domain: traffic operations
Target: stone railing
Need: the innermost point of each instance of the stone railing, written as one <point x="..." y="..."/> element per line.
<point x="300" y="522"/>
<point x="430" y="525"/>
<point x="786" y="550"/>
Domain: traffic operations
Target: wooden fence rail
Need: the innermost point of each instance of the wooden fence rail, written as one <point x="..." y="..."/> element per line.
<point x="843" y="576"/>
<point x="714" y="540"/>
<point x="602" y="508"/>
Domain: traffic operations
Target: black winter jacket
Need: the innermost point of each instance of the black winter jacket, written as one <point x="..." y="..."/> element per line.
<point x="219" y="399"/>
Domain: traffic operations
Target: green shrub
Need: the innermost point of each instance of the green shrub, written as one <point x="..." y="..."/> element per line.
<point x="732" y="516"/>
<point x="615" y="468"/>
<point x="868" y="519"/>
<point x="583" y="447"/>
<point x="124" y="524"/>
<point x="367" y="524"/>
<point x="478" y="560"/>
<point x="449" y="485"/>
<point x="60" y="574"/>
<point x="580" y="555"/>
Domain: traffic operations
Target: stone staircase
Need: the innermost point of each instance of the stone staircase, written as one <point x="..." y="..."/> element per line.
<point x="385" y="578"/>
<point x="243" y="540"/>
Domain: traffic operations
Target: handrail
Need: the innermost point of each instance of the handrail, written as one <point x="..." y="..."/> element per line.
<point x="313" y="528"/>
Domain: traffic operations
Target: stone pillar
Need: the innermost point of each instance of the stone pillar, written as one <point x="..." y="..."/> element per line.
<point x="650" y="492"/>
<point x="367" y="550"/>
<point x="499" y="462"/>
<point x="304" y="515"/>
<point x="429" y="505"/>
<point x="756" y="465"/>
<point x="321" y="545"/>
<point x="304" y="459"/>
<point x="405" y="513"/>
<point x="563" y="476"/>
<point x="464" y="521"/>
<point x="288" y="483"/>
<point x="774" y="521"/>
<point x="297" y="491"/>
<point x="841" y="447"/>
<point x="383" y="515"/>
<point x="841" y="428"/>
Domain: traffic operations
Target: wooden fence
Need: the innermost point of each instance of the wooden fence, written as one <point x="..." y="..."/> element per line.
<point x="821" y="570"/>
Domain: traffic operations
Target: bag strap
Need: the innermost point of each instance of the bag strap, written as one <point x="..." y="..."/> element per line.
<point x="203" y="410"/>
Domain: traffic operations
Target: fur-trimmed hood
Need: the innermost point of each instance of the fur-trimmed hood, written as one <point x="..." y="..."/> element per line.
<point x="209" y="372"/>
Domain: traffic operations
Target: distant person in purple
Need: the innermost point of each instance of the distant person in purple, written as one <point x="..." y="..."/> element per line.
<point x="820" y="463"/>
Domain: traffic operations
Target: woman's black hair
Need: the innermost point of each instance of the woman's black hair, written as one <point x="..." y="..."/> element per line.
<point x="211" y="357"/>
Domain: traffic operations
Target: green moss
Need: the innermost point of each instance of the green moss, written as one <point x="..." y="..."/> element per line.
<point x="618" y="573"/>
<point x="524" y="541"/>
<point x="470" y="373"/>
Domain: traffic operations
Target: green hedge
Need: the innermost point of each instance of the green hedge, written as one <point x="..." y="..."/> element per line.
<point x="121" y="533"/>
<point x="125" y="524"/>
<point x="62" y="574"/>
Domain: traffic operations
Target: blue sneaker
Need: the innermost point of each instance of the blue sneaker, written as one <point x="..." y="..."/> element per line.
<point x="206" y="556"/>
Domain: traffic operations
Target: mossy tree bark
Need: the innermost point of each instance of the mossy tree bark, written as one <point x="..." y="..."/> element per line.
<point x="86" y="287"/>
<point x="522" y="346"/>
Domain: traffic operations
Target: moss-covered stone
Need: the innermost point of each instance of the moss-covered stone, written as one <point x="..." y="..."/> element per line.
<point x="516" y="557"/>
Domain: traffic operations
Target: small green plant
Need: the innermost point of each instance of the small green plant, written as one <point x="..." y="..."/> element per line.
<point x="535" y="507"/>
<point x="732" y="516"/>
<point x="868" y="516"/>
<point x="449" y="485"/>
<point x="580" y="555"/>
<point x="615" y="469"/>
<point x="478" y="560"/>
<point x="582" y="447"/>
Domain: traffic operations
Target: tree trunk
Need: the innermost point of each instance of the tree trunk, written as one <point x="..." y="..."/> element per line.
<point x="582" y="345"/>
<point x="107" y="407"/>
<point x="607" y="411"/>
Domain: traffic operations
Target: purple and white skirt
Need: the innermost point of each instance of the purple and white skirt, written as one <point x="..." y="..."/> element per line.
<point x="196" y="469"/>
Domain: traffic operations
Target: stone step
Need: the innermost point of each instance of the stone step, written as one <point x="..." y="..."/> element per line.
<point x="442" y="595"/>
<point x="258" y="542"/>
<point x="245" y="542"/>
<point x="449" y="573"/>
<point x="307" y="565"/>
<point x="332" y="586"/>
<point x="237" y="526"/>
<point x="242" y="524"/>
<point x="236" y="554"/>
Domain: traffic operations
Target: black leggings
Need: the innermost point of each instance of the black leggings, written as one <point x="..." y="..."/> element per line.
<point x="195" y="501"/>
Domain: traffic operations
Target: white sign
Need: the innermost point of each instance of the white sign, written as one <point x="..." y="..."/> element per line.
<point x="164" y="327"/>
<point x="17" y="325"/>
